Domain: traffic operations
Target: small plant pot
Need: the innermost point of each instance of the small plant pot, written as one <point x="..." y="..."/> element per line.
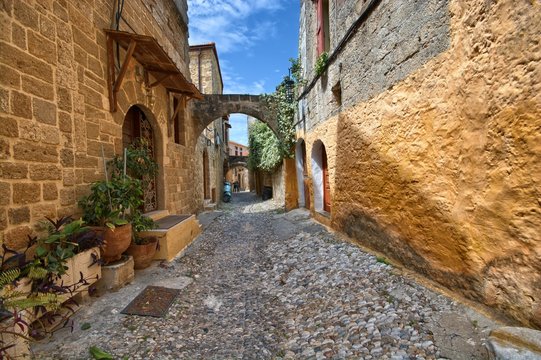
<point x="143" y="254"/>
<point x="115" y="242"/>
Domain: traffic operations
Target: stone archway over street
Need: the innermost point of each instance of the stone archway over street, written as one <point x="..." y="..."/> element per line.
<point x="213" y="107"/>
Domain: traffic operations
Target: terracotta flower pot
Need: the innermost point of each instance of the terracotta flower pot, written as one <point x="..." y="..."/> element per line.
<point x="115" y="242"/>
<point x="143" y="254"/>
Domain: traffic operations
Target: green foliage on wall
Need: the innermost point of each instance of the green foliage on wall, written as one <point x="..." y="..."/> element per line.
<point x="266" y="149"/>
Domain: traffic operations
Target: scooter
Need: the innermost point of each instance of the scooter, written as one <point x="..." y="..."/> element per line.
<point x="227" y="192"/>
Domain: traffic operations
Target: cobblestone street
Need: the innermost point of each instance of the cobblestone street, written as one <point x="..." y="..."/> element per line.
<point x="263" y="284"/>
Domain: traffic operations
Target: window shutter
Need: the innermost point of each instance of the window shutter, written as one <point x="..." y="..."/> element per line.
<point x="320" y="28"/>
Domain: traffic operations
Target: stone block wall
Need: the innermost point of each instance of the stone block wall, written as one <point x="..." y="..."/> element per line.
<point x="440" y="168"/>
<point x="54" y="106"/>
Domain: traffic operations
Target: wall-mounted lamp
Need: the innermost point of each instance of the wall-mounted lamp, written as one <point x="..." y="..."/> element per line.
<point x="139" y="74"/>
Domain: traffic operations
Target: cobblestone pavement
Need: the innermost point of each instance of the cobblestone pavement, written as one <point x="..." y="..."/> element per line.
<point x="263" y="284"/>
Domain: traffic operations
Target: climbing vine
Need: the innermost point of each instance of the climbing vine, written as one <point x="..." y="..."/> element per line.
<point x="266" y="149"/>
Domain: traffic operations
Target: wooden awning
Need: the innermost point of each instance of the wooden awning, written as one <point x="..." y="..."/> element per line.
<point x="146" y="50"/>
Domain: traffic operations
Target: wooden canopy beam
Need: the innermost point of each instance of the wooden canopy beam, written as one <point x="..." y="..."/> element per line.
<point x="116" y="82"/>
<point x="159" y="80"/>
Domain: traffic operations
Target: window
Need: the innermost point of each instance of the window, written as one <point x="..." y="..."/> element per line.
<point x="323" y="40"/>
<point x="179" y="131"/>
<point x="236" y="151"/>
<point x="240" y="151"/>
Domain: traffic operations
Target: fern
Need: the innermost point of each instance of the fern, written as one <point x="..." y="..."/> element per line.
<point x="49" y="300"/>
<point x="8" y="277"/>
<point x="37" y="273"/>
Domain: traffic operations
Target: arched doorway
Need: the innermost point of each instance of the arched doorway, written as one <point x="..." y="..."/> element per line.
<point x="206" y="175"/>
<point x="136" y="126"/>
<point x="320" y="176"/>
<point x="303" y="182"/>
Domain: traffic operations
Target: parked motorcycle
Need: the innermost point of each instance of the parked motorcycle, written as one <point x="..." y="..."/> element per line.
<point x="227" y="192"/>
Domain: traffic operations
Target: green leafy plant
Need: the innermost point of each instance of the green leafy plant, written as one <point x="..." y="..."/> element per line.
<point x="28" y="285"/>
<point x="110" y="202"/>
<point x="321" y="63"/>
<point x="99" y="354"/>
<point x="140" y="163"/>
<point x="266" y="149"/>
<point x="66" y="237"/>
<point x="141" y="223"/>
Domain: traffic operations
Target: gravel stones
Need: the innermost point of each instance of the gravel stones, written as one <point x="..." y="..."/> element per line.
<point x="268" y="284"/>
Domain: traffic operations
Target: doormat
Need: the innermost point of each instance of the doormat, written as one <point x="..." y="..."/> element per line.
<point x="169" y="221"/>
<point x="152" y="301"/>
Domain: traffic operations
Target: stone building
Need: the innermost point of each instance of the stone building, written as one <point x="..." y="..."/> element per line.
<point x="84" y="77"/>
<point x="211" y="148"/>
<point x="420" y="138"/>
<point x="238" y="165"/>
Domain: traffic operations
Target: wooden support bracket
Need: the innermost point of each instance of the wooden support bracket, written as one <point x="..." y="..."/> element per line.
<point x="116" y="82"/>
<point x="159" y="80"/>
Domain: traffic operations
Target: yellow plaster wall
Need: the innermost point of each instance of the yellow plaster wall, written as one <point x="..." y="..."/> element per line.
<point x="442" y="172"/>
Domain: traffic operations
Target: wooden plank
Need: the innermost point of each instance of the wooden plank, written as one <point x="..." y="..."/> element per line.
<point x="159" y="80"/>
<point x="125" y="65"/>
<point x="111" y="74"/>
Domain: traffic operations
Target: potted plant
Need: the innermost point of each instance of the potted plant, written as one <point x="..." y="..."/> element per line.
<point x="142" y="248"/>
<point x="138" y="163"/>
<point x="32" y="286"/>
<point x="70" y="251"/>
<point x="107" y="208"/>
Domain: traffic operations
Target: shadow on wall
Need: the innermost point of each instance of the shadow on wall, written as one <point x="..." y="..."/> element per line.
<point x="380" y="203"/>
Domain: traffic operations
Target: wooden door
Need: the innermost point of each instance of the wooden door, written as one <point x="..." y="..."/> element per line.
<point x="305" y="178"/>
<point x="206" y="175"/>
<point x="326" y="184"/>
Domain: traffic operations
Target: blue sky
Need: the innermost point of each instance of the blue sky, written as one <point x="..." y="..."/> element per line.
<point x="254" y="39"/>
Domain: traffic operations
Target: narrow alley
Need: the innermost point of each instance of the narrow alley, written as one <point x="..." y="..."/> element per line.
<point x="259" y="283"/>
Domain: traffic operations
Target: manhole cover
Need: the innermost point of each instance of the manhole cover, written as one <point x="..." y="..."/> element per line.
<point x="152" y="301"/>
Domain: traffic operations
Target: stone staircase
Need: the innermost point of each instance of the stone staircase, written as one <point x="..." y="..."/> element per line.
<point x="208" y="205"/>
<point x="174" y="233"/>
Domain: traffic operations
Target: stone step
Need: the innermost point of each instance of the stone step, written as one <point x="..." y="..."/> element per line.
<point x="174" y="233"/>
<point x="157" y="214"/>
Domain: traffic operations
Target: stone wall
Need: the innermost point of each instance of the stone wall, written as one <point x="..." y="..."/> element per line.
<point x="440" y="167"/>
<point x="54" y="107"/>
<point x="206" y="74"/>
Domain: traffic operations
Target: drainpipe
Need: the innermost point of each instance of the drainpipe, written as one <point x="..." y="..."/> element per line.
<point x="199" y="71"/>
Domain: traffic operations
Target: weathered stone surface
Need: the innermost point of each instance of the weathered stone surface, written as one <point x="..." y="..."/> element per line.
<point x="508" y="343"/>
<point x="9" y="170"/>
<point x="44" y="111"/>
<point x="9" y="127"/>
<point x="25" y="14"/>
<point x="26" y="193"/>
<point x="19" y="215"/>
<point x="10" y="77"/>
<point x="37" y="87"/>
<point x="17" y="237"/>
<point x="28" y="151"/>
<point x="50" y="191"/>
<point x="18" y="35"/>
<point x="5" y="193"/>
<point x="439" y="171"/>
<point x="3" y="218"/>
<point x="42" y="48"/>
<point x="40" y="211"/>
<point x="25" y="62"/>
<point x="4" y="149"/>
<point x="67" y="196"/>
<point x="45" y="172"/>
<point x="21" y="105"/>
